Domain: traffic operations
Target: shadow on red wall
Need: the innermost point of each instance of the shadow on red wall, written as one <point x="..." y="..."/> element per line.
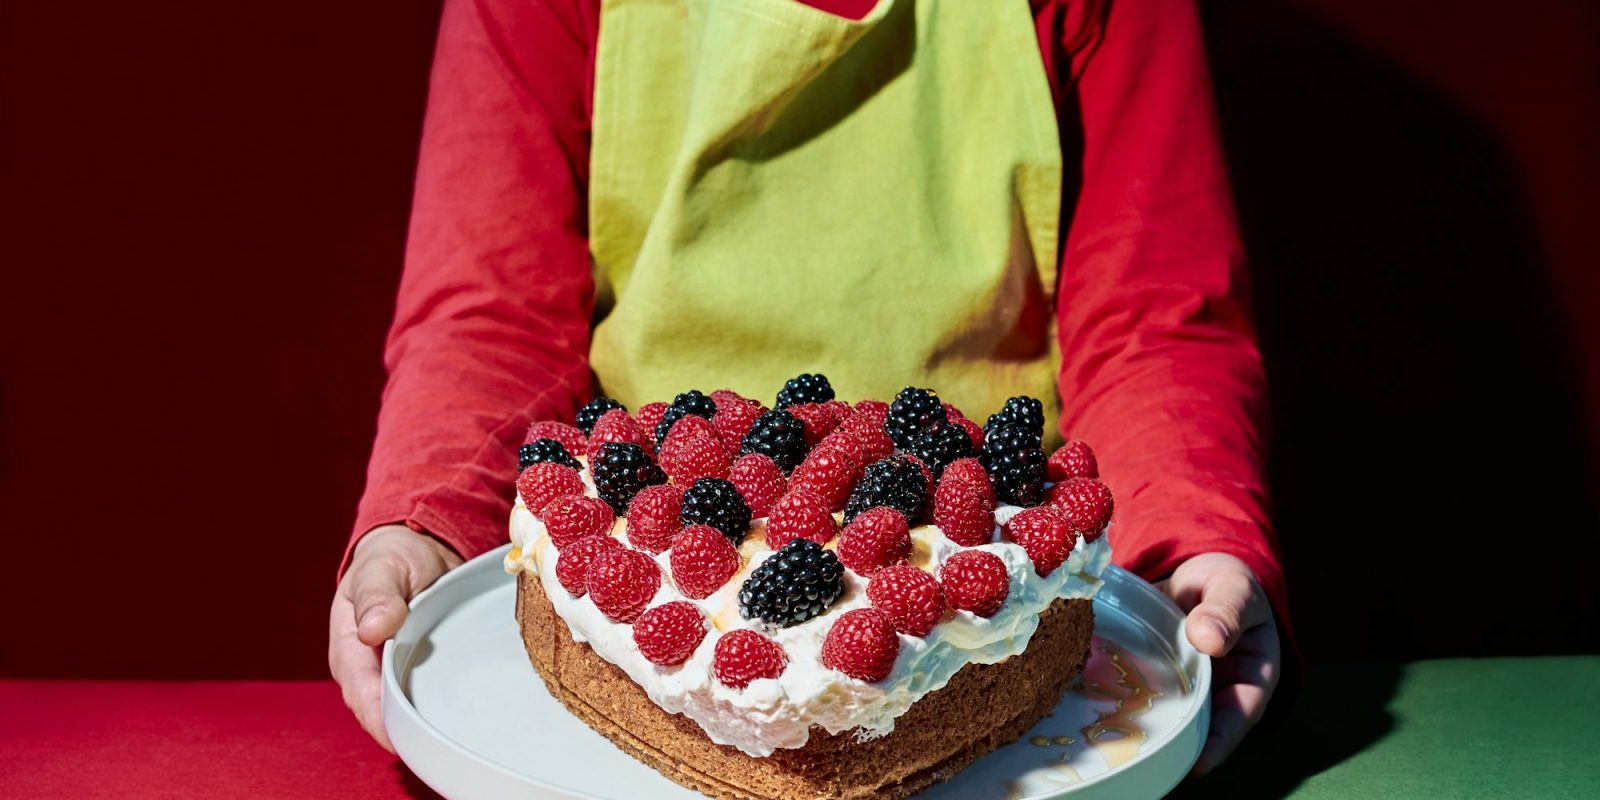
<point x="204" y="222"/>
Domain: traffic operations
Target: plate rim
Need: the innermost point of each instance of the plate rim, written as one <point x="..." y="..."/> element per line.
<point x="396" y="698"/>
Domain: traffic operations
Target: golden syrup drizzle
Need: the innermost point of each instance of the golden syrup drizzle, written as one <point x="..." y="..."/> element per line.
<point x="1117" y="734"/>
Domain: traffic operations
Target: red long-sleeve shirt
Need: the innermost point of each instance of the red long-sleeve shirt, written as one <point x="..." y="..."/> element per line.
<point x="1160" y="372"/>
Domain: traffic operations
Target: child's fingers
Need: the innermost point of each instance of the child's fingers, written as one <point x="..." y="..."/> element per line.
<point x="1229" y="603"/>
<point x="355" y="666"/>
<point x="1234" y="710"/>
<point x="379" y="587"/>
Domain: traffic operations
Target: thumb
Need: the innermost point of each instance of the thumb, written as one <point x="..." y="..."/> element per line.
<point x="1223" y="601"/>
<point x="378" y="592"/>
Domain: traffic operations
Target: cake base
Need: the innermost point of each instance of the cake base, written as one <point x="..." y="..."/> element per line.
<point x="984" y="706"/>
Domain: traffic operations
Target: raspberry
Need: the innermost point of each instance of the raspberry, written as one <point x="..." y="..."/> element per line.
<point x="804" y="388"/>
<point x="909" y="597"/>
<point x="653" y="517"/>
<point x="734" y="415"/>
<point x="912" y="411"/>
<point x="688" y="403"/>
<point x="951" y="413"/>
<point x="615" y="426"/>
<point x="1023" y="410"/>
<point x="545" y="481"/>
<point x="845" y="442"/>
<point x="649" y="415"/>
<point x="687" y="460"/>
<point x="828" y="473"/>
<point x="876" y="538"/>
<point x="742" y="656"/>
<point x="572" y="563"/>
<point x="819" y="420"/>
<point x="570" y="438"/>
<point x="574" y="516"/>
<point x="592" y="411"/>
<point x="545" y="449"/>
<point x="1086" y="504"/>
<point x="715" y="502"/>
<point x="974" y="432"/>
<point x="1043" y="532"/>
<point x="669" y="633"/>
<point x="876" y="411"/>
<point x="1075" y="460"/>
<point x="976" y="581"/>
<point x="794" y="584"/>
<point x="899" y="482"/>
<point x="621" y="583"/>
<point x="620" y="470"/>
<point x="868" y="431"/>
<point x="687" y="427"/>
<point x="800" y="515"/>
<point x="779" y="436"/>
<point x="759" y="481"/>
<point x="971" y="472"/>
<point x="965" y="516"/>
<point x="861" y="644"/>
<point x="702" y="561"/>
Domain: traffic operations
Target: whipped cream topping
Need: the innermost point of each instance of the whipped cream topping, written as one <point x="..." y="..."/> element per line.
<point x="770" y="714"/>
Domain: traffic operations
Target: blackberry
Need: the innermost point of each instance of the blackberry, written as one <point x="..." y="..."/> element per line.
<point x="690" y="402"/>
<point x="1015" y="463"/>
<point x="715" y="502"/>
<point x="593" y="410"/>
<point x="894" y="482"/>
<point x="793" y="585"/>
<point x="913" y="409"/>
<point x="544" y="450"/>
<point x="804" y="388"/>
<point x="620" y="470"/>
<point x="779" y="436"/>
<point x="939" y="445"/>
<point x="1025" y="411"/>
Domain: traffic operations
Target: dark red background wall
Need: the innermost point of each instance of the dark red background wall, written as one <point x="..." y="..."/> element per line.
<point x="204" y="215"/>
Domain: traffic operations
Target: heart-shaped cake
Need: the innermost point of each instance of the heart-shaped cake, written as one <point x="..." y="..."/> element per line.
<point x="816" y="601"/>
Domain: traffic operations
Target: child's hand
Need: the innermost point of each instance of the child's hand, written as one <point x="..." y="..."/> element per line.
<point x="1231" y="621"/>
<point x="390" y="565"/>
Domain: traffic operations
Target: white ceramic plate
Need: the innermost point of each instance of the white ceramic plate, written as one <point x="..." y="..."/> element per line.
<point x="470" y="717"/>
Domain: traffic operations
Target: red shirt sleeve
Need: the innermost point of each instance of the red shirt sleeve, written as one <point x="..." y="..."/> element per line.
<point x="491" y="324"/>
<point x="1160" y="371"/>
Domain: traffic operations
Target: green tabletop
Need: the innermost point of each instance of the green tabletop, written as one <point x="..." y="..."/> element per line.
<point x="1493" y="727"/>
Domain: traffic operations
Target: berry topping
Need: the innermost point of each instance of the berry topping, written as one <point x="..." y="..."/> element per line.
<point x="804" y="388"/>
<point x="1025" y="411"/>
<point x="1075" y="460"/>
<point x="875" y="410"/>
<point x="974" y="433"/>
<point x="615" y="426"/>
<point x="797" y="582"/>
<point x="702" y="561"/>
<point x="545" y="481"/>
<point x="779" y="436"/>
<point x="1086" y="504"/>
<point x="690" y="402"/>
<point x="653" y="517"/>
<point x="971" y="472"/>
<point x="847" y="443"/>
<point x="620" y="470"/>
<point x="592" y="411"/>
<point x="867" y="429"/>
<point x="861" y="644"/>
<point x="574" y="516"/>
<point x="743" y="656"/>
<point x="1016" y="464"/>
<point x="829" y="473"/>
<point x="621" y="583"/>
<point x="759" y="481"/>
<point x="800" y="515"/>
<point x="572" y="563"/>
<point x="690" y="458"/>
<point x="715" y="502"/>
<point x="669" y="633"/>
<point x="734" y="415"/>
<point x="541" y="450"/>
<point x="912" y="411"/>
<point x="964" y="514"/>
<point x="819" y="420"/>
<point x="909" y="597"/>
<point x="1043" y="532"/>
<point x="898" y="482"/>
<point x="649" y="416"/>
<point x="571" y="438"/>
<point x="976" y="581"/>
<point x="940" y="444"/>
<point x="876" y="538"/>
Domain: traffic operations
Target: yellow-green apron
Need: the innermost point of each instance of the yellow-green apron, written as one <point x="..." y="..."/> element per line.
<point x="777" y="190"/>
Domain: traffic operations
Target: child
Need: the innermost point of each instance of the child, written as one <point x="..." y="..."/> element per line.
<point x="870" y="190"/>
